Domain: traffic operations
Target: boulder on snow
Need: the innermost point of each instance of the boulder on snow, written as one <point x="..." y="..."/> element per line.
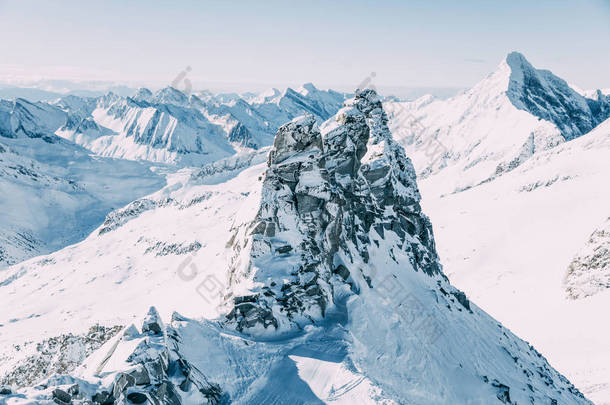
<point x="61" y="397"/>
<point x="137" y="397"/>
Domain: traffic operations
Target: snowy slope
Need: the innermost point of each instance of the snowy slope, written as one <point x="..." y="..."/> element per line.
<point x="522" y="244"/>
<point x="53" y="192"/>
<point x="513" y="179"/>
<point x="338" y="297"/>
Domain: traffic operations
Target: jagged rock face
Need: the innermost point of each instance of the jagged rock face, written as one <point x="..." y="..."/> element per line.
<point x="549" y="97"/>
<point x="589" y="271"/>
<point x="323" y="196"/>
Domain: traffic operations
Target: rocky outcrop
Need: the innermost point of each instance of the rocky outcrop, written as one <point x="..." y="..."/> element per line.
<point x="325" y="197"/>
<point x="153" y="372"/>
<point x="59" y="354"/>
<point x="589" y="271"/>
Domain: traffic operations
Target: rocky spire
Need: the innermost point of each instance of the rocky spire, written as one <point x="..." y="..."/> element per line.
<point x="326" y="196"/>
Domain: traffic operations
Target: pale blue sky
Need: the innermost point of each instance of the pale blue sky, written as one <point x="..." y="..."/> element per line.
<point x="414" y="43"/>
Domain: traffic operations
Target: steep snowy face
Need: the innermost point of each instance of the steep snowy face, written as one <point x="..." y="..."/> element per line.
<point x="163" y="130"/>
<point x="503" y="245"/>
<point x="549" y="97"/>
<point x="494" y="127"/>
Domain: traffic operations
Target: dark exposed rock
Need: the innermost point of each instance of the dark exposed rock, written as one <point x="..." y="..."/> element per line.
<point x="166" y="394"/>
<point x="136" y="397"/>
<point x="152" y="323"/>
<point x="284" y="249"/>
<point x="56" y="355"/>
<point x="61" y="396"/>
<point x="240" y="135"/>
<point x="158" y="371"/>
<point x="122" y="382"/>
<point x="549" y="97"/>
<point x="140" y="375"/>
<point x="103" y="398"/>
<point x="342" y="271"/>
<point x="503" y="393"/>
<point x="293" y="138"/>
<point x="74" y="390"/>
<point x="462" y="299"/>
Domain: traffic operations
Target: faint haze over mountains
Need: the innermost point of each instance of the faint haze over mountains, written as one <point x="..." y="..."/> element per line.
<point x="53" y="89"/>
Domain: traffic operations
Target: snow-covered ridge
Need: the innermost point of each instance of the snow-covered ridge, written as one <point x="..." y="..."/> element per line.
<point x="509" y="244"/>
<point x="372" y="318"/>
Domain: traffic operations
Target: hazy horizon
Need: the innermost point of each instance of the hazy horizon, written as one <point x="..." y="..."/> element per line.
<point x="254" y="46"/>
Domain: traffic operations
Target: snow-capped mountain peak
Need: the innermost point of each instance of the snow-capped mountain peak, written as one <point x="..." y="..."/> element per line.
<point x="549" y="97"/>
<point x="307" y="88"/>
<point x="143" y="94"/>
<point x="170" y="95"/>
<point x="495" y="126"/>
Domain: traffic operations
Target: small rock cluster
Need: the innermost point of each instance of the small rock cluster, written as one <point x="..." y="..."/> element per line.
<point x="156" y="374"/>
<point x="60" y="354"/>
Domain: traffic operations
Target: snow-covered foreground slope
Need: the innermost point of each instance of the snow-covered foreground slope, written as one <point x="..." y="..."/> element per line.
<point x="313" y="278"/>
<point x="53" y="194"/>
<point x="510" y="245"/>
